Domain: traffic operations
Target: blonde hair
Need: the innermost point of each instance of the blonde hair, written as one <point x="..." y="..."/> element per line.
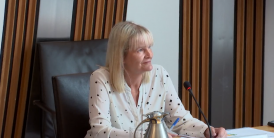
<point x="124" y="36"/>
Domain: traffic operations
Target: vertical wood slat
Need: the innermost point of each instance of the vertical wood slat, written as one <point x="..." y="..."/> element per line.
<point x="79" y="20"/>
<point x="195" y="56"/>
<point x="249" y="63"/>
<point x="257" y="112"/>
<point x="26" y="68"/>
<point x="99" y="19"/>
<point x="15" y="69"/>
<point x="195" y="53"/>
<point x="120" y="11"/>
<point x="94" y="24"/>
<point x="6" y="60"/>
<point x="239" y="64"/>
<point x="89" y="19"/>
<point x="249" y="68"/>
<point x="109" y="17"/>
<point x="186" y="51"/>
<point x="205" y="57"/>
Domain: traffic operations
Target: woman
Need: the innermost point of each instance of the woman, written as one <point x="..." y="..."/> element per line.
<point x="130" y="86"/>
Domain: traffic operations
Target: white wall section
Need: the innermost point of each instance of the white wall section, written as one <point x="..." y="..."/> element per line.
<point x="161" y="17"/>
<point x="2" y="12"/>
<point x="269" y="63"/>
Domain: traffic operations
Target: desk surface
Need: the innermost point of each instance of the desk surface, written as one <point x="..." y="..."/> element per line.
<point x="265" y="128"/>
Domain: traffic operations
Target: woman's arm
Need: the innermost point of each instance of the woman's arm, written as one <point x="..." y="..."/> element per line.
<point x="187" y="125"/>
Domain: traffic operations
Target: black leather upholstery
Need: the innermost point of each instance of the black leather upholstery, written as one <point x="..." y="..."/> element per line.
<point x="71" y="94"/>
<point x="58" y="58"/>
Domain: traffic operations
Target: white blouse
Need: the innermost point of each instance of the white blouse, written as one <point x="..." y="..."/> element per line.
<point x="115" y="115"/>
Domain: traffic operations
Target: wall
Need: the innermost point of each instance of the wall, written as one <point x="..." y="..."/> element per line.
<point x="161" y="17"/>
<point x="268" y="63"/>
<point x="56" y="22"/>
<point x="2" y="10"/>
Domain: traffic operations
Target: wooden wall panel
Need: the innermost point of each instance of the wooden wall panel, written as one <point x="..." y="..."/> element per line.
<point x="186" y="50"/>
<point x="89" y="20"/>
<point x="26" y="67"/>
<point x="258" y="63"/>
<point x="5" y="78"/>
<point x="249" y="63"/>
<point x="18" y="44"/>
<point x="195" y="53"/>
<point x="15" y="68"/>
<point x="195" y="45"/>
<point x="109" y="18"/>
<point x="93" y="20"/>
<point x="98" y="18"/>
<point x="79" y="20"/>
<point x="240" y="5"/>
<point x="121" y="4"/>
<point x="205" y="57"/>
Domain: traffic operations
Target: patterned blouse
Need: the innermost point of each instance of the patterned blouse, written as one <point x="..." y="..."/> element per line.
<point x="115" y="115"/>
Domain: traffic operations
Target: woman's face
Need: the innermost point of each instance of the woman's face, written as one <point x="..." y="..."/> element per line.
<point x="138" y="61"/>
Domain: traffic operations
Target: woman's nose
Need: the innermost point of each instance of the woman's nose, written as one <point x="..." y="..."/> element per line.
<point x="149" y="53"/>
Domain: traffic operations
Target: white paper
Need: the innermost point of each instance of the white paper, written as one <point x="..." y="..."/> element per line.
<point x="245" y="132"/>
<point x="248" y="132"/>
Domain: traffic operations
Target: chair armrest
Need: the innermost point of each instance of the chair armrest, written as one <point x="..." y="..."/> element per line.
<point x="46" y="109"/>
<point x="43" y="107"/>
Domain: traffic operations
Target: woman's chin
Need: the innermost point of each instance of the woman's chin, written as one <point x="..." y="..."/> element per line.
<point x="149" y="67"/>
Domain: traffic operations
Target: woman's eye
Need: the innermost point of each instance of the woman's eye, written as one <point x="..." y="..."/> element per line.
<point x="140" y="50"/>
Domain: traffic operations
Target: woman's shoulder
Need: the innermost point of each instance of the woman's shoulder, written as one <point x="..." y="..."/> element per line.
<point x="159" y="72"/>
<point x="102" y="72"/>
<point x="157" y="68"/>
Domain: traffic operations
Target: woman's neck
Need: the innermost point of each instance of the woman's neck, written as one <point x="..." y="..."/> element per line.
<point x="133" y="80"/>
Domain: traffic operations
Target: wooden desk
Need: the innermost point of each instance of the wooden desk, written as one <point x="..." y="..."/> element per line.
<point x="265" y="128"/>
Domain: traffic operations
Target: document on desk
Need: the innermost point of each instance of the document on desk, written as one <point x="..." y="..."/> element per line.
<point x="245" y="132"/>
<point x="248" y="132"/>
<point x="186" y="136"/>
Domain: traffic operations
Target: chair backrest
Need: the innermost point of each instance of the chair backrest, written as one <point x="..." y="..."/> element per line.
<point x="58" y="58"/>
<point x="71" y="94"/>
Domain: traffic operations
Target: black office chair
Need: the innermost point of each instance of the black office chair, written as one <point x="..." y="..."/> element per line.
<point x="71" y="94"/>
<point x="53" y="59"/>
